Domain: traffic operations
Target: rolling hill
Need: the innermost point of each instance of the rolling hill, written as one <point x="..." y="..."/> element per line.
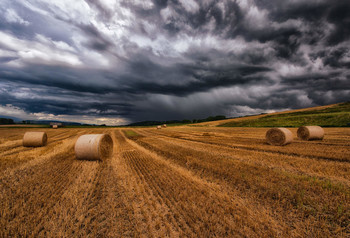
<point x="335" y="115"/>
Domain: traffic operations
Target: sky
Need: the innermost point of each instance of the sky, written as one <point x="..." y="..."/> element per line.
<point x="116" y="62"/>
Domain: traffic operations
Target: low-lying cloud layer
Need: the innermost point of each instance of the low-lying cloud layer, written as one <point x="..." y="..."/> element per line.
<point x="124" y="61"/>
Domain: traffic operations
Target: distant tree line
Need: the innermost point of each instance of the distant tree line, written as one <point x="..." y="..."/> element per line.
<point x="185" y="121"/>
<point x="215" y="118"/>
<point x="6" y="121"/>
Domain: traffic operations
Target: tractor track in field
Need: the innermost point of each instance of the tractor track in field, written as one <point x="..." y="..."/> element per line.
<point x="106" y="205"/>
<point x="70" y="211"/>
<point x="255" y="149"/>
<point x="152" y="195"/>
<point x="149" y="187"/>
<point x="147" y="184"/>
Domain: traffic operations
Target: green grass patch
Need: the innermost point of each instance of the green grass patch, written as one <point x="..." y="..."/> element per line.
<point x="168" y="125"/>
<point x="336" y="116"/>
<point x="131" y="134"/>
<point x="86" y="126"/>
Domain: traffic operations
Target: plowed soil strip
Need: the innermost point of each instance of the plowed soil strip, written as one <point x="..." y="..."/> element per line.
<point x="109" y="212"/>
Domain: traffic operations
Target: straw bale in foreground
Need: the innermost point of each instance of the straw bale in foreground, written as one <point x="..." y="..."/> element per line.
<point x="94" y="147"/>
<point x="279" y="136"/>
<point x="34" y="139"/>
<point x="310" y="133"/>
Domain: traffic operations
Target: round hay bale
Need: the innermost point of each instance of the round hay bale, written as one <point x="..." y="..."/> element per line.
<point x="94" y="147"/>
<point x="34" y="139"/>
<point x="310" y="133"/>
<point x="164" y="125"/>
<point x="279" y="136"/>
<point x="159" y="127"/>
<point x="54" y="126"/>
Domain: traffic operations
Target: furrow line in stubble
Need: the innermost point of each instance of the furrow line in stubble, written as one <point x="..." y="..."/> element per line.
<point x="190" y="216"/>
<point x="171" y="204"/>
<point x="39" y="191"/>
<point x="134" y="160"/>
<point x="39" y="154"/>
<point x="169" y="155"/>
<point x="18" y="148"/>
<point x="197" y="186"/>
<point x="140" y="191"/>
<point x="257" y="150"/>
<point x="285" y="166"/>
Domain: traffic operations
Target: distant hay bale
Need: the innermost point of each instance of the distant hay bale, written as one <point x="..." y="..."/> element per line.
<point x="34" y="139"/>
<point x="159" y="127"/>
<point x="164" y="125"/>
<point x="54" y="126"/>
<point x="310" y="133"/>
<point x="279" y="136"/>
<point x="94" y="147"/>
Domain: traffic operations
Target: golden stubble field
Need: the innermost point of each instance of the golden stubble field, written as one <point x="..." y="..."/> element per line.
<point x="182" y="181"/>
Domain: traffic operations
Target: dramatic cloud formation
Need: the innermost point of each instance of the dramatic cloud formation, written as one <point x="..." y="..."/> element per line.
<point x="114" y="62"/>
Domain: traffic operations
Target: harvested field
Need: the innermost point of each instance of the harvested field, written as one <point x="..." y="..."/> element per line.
<point x="181" y="181"/>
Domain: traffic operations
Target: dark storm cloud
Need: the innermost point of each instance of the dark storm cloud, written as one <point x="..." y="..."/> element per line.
<point x="63" y="102"/>
<point x="339" y="16"/>
<point x="55" y="77"/>
<point x="317" y="13"/>
<point x="155" y="60"/>
<point x="37" y="24"/>
<point x="97" y="41"/>
<point x="325" y="82"/>
<point x="205" y="79"/>
<point x="74" y="108"/>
